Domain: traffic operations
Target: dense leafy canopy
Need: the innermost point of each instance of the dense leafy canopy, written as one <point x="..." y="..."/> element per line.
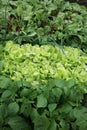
<point x="43" y="84"/>
<point x="37" y="64"/>
<point x="55" y="106"/>
<point x="43" y="22"/>
<point x="42" y="87"/>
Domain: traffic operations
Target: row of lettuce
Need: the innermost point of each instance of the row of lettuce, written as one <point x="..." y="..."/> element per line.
<point x="37" y="64"/>
<point x="42" y="88"/>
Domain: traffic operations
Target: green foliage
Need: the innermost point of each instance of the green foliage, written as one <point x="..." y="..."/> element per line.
<point x="41" y="101"/>
<point x="37" y="64"/>
<point x="42" y="87"/>
<point x="47" y="110"/>
<point x="43" y="22"/>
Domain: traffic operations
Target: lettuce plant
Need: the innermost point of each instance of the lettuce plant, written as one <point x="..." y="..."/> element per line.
<point x="37" y="64"/>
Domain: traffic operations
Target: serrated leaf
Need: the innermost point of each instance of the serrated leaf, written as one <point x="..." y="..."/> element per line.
<point x="41" y="101"/>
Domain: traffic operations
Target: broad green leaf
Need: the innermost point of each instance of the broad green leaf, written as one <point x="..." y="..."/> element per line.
<point x="41" y="123"/>
<point x="6" y="94"/>
<point x="79" y="113"/>
<point x="82" y="125"/>
<point x="60" y="83"/>
<point x="13" y="108"/>
<point x="25" y="92"/>
<point x="34" y="114"/>
<point x="65" y="108"/>
<point x="53" y="125"/>
<point x="18" y="123"/>
<point x="0" y="65"/>
<point x="52" y="107"/>
<point x="19" y="9"/>
<point x="19" y="84"/>
<point x="5" y="2"/>
<point x="41" y="101"/>
<point x="3" y="111"/>
<point x="64" y="125"/>
<point x="26" y="84"/>
<point x="4" y="82"/>
<point x="70" y="83"/>
<point x="26" y="109"/>
<point x="57" y="92"/>
<point x="33" y="94"/>
<point x="66" y="91"/>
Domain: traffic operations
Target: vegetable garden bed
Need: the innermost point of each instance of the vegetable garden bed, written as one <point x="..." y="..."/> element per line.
<point x="42" y="88"/>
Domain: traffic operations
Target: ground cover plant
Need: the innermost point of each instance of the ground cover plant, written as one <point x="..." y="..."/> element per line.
<point x="43" y="22"/>
<point x="55" y="106"/>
